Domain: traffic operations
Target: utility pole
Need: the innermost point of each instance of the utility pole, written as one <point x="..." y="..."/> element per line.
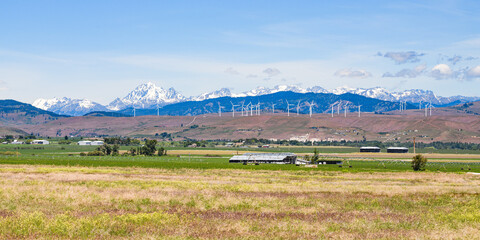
<point x="414" y="151"/>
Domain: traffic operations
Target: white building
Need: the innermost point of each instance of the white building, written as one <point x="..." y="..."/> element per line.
<point x="16" y="142"/>
<point x="84" y="143"/>
<point x="97" y="143"/>
<point x="40" y="142"/>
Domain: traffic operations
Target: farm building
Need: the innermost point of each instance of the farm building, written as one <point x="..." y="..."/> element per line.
<point x="97" y="143"/>
<point x="275" y="158"/>
<point x="397" y="150"/>
<point x="370" y="149"/>
<point x="40" y="142"/>
<point x="16" y="142"/>
<point x="84" y="143"/>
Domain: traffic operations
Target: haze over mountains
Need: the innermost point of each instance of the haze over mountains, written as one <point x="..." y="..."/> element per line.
<point x="149" y="96"/>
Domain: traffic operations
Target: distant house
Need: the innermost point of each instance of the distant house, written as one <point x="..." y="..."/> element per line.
<point x="40" y="142"/>
<point x="370" y="149"/>
<point x="397" y="150"/>
<point x="97" y="143"/>
<point x="84" y="143"/>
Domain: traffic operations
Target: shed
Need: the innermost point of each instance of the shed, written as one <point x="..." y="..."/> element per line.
<point x="397" y="150"/>
<point x="275" y="158"/>
<point x="370" y="149"/>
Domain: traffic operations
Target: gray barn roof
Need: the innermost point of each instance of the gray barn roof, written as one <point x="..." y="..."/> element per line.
<point x="262" y="156"/>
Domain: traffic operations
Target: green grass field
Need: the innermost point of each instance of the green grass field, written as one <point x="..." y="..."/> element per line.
<point x="51" y="192"/>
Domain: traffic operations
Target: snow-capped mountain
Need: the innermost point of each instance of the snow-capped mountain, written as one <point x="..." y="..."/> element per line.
<point x="147" y="95"/>
<point x="412" y="95"/>
<point x="67" y="106"/>
<point x="224" y="92"/>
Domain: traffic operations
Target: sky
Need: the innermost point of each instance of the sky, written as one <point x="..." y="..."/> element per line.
<point x="101" y="50"/>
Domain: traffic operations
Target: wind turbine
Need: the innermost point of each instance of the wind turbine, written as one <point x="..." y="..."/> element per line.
<point x="298" y="107"/>
<point x="310" y="105"/>
<point x="345" y="108"/>
<point x="359" y="110"/>
<point x="134" y="112"/>
<point x="338" y="109"/>
<point x="288" y="107"/>
<point x="219" y="109"/>
<point x="273" y="108"/>
<point x="242" y="108"/>
<point x="251" y="109"/>
<point x="233" y="109"/>
<point x="258" y="108"/>
<point x="420" y="105"/>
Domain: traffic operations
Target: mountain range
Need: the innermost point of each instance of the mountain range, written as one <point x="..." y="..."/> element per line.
<point x="151" y="96"/>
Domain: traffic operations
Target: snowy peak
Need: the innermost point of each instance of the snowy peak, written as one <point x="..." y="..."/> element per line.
<point x="146" y="96"/>
<point x="224" y="92"/>
<point x="67" y="106"/>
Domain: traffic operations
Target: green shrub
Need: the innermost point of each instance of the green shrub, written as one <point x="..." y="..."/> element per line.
<point x="96" y="153"/>
<point x="419" y="162"/>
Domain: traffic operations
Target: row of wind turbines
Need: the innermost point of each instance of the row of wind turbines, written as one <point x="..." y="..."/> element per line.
<point x="254" y="109"/>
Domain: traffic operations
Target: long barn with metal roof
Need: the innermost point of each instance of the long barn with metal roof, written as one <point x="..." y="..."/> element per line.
<point x="276" y="158"/>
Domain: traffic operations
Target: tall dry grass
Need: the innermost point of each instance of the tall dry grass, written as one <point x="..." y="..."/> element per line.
<point x="77" y="202"/>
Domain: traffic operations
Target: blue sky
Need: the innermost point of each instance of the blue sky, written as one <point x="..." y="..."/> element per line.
<point x="102" y="49"/>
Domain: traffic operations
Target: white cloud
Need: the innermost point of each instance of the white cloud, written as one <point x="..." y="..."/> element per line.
<point x="348" y="73"/>
<point x="442" y="71"/>
<point x="409" y="73"/>
<point x="403" y="57"/>
<point x="232" y="71"/>
<point x="271" y="72"/>
<point x="473" y="73"/>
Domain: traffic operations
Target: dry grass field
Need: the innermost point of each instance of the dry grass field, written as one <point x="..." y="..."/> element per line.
<point x="47" y="202"/>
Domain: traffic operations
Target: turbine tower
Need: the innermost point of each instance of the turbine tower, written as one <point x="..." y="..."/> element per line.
<point x="233" y="109"/>
<point x="310" y="105"/>
<point x="273" y="108"/>
<point x="298" y="107"/>
<point x="251" y="109"/>
<point x="288" y="108"/>
<point x="359" y="110"/>
<point x="258" y="108"/>
<point x="219" y="109"/>
<point x="242" y="108"/>
<point x="345" y="108"/>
